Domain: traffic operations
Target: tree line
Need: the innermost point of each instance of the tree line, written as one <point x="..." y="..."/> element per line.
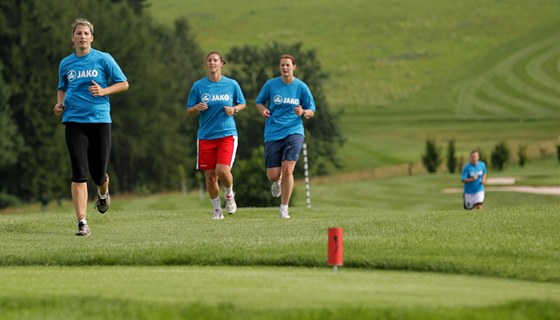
<point x="153" y="139"/>
<point x="500" y="156"/>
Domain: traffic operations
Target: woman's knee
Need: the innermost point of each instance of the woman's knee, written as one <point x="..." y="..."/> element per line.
<point x="273" y="174"/>
<point x="223" y="171"/>
<point x="288" y="168"/>
<point x="99" y="178"/>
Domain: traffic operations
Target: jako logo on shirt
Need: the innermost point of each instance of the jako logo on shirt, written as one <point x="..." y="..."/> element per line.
<point x="206" y="97"/>
<point x="279" y="100"/>
<point x="73" y="75"/>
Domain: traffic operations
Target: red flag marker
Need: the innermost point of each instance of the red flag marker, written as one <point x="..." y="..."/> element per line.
<point x="336" y="248"/>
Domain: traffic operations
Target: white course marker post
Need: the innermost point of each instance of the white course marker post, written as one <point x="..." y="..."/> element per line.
<point x="306" y="169"/>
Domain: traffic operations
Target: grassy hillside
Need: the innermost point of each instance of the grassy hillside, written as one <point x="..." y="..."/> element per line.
<point x="377" y="52"/>
<point x="478" y="72"/>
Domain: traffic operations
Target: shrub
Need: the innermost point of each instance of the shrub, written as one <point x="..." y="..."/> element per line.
<point x="451" y="158"/>
<point x="251" y="184"/>
<point x="8" y="200"/>
<point x="432" y="158"/>
<point x="500" y="156"/>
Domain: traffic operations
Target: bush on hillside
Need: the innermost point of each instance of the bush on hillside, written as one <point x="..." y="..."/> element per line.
<point x="252" y="186"/>
<point x="432" y="158"/>
<point x="8" y="200"/>
<point x="451" y="158"/>
<point x="500" y="156"/>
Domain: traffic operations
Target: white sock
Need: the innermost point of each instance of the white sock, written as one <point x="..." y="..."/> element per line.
<point x="103" y="196"/>
<point x="284" y="207"/>
<point x="216" y="203"/>
<point x="229" y="191"/>
<point x="82" y="221"/>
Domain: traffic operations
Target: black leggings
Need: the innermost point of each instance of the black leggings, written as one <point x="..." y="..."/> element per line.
<point x="89" y="146"/>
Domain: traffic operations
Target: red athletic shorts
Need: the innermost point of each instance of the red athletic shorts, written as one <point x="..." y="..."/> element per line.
<point x="211" y="152"/>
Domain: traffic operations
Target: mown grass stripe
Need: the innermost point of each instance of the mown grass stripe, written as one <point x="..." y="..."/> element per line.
<point x="520" y="69"/>
<point x="536" y="70"/>
<point x="552" y="66"/>
<point x="484" y="104"/>
<point x="512" y="66"/>
<point x="524" y="105"/>
<point x="520" y="88"/>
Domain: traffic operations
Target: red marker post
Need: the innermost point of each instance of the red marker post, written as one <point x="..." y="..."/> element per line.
<point x="336" y="248"/>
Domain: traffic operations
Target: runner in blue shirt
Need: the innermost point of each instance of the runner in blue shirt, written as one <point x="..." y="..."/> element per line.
<point x="86" y="79"/>
<point x="217" y="99"/>
<point x="288" y="100"/>
<point x="474" y="179"/>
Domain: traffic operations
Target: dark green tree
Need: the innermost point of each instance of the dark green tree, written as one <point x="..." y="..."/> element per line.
<point x="451" y="158"/>
<point x="29" y="28"/>
<point x="432" y="158"/>
<point x="11" y="144"/>
<point x="500" y="156"/>
<point x="148" y="144"/>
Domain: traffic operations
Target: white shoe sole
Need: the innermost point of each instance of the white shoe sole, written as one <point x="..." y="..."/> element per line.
<point x="276" y="189"/>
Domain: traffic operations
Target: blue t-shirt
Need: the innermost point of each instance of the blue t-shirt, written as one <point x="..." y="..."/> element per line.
<point x="214" y="123"/>
<point x="470" y="170"/>
<point x="74" y="77"/>
<point x="281" y="99"/>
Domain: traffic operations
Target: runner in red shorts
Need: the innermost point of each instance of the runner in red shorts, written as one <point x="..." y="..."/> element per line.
<point x="217" y="99"/>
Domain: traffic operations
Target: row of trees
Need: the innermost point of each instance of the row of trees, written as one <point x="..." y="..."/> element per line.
<point x="153" y="139"/>
<point x="499" y="157"/>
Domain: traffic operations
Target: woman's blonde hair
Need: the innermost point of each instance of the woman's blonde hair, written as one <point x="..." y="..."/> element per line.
<point x="288" y="56"/>
<point x="82" y="22"/>
<point x="216" y="53"/>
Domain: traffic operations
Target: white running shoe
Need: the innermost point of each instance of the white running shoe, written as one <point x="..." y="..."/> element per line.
<point x="217" y="214"/>
<point x="275" y="189"/>
<point x="284" y="214"/>
<point x="231" y="206"/>
<point x="83" y="230"/>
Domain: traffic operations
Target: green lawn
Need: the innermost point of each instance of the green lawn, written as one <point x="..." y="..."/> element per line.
<point x="179" y="263"/>
<point x="265" y="293"/>
<point x="411" y="252"/>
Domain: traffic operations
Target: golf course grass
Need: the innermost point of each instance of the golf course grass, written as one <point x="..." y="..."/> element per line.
<point x="179" y="263"/>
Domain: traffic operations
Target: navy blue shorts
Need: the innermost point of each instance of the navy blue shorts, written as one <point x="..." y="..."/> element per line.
<point x="277" y="151"/>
